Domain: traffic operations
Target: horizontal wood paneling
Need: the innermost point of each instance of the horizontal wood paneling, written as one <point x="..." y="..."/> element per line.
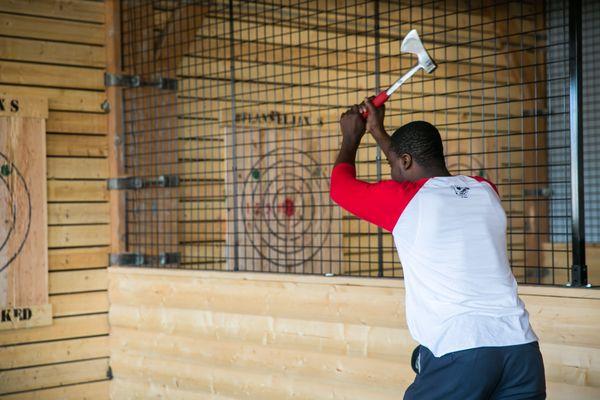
<point x="243" y="335"/>
<point x="61" y="328"/>
<point x="77" y="281"/>
<point x="77" y="213"/>
<point x="77" y="168"/>
<point x="61" y="99"/>
<point x="94" y="390"/>
<point x="74" y="190"/>
<point x="88" y="11"/>
<point x="57" y="30"/>
<point x="50" y="75"/>
<point x="78" y="235"/>
<point x="79" y="303"/>
<point x="55" y="49"/>
<point x="58" y="375"/>
<point x="76" y="145"/>
<point x="51" y="52"/>
<point x="81" y="258"/>
<point x="53" y="352"/>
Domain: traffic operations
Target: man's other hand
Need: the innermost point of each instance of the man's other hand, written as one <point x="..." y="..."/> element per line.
<point x="352" y="124"/>
<point x="375" y="117"/>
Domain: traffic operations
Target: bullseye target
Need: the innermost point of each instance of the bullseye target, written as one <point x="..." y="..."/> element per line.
<point x="285" y="207"/>
<point x="23" y="214"/>
<point x="15" y="212"/>
<point x="279" y="214"/>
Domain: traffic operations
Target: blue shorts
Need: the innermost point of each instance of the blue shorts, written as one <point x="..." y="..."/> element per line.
<point x="494" y="373"/>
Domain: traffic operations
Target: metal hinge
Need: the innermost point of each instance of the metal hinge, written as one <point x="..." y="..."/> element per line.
<point x="133" y="182"/>
<point x="137" y="259"/>
<point x="134" y="81"/>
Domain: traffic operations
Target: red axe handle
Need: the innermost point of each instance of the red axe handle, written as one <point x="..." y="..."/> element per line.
<point x="377" y="102"/>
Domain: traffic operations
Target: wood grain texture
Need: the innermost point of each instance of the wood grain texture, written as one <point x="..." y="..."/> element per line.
<point x="61" y="328"/>
<point x="51" y="52"/>
<point x="55" y="376"/>
<point x="23" y="197"/>
<point x="55" y="49"/>
<point x="95" y="390"/>
<point x="53" y="352"/>
<point x="225" y="333"/>
<point x="87" y="11"/>
<point x="79" y="303"/>
<point x="59" y="30"/>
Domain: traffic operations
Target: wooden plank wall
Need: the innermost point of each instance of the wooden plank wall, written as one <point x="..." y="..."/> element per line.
<point x="55" y="48"/>
<point x="202" y="334"/>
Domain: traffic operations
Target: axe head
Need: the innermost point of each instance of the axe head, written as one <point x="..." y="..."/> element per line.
<point x="412" y="44"/>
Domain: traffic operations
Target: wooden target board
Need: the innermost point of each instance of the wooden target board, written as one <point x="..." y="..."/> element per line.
<point x="23" y="213"/>
<point x="286" y="221"/>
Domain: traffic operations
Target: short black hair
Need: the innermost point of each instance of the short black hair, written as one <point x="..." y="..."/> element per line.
<point x="422" y="141"/>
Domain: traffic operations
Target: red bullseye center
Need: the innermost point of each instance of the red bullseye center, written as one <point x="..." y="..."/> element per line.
<point x="288" y="207"/>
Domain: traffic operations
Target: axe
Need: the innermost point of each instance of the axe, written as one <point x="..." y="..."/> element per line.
<point x="411" y="44"/>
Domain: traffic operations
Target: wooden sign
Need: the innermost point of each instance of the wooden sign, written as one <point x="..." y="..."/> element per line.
<point x="279" y="201"/>
<point x="23" y="214"/>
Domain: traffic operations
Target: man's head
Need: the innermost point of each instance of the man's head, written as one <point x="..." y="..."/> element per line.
<point x="419" y="150"/>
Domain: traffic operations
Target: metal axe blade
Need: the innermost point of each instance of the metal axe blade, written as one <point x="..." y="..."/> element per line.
<point x="411" y="44"/>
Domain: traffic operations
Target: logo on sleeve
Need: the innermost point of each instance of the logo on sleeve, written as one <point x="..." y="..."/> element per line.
<point x="461" y="191"/>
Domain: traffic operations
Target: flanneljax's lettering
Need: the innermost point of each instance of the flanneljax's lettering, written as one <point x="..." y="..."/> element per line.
<point x="11" y="105"/>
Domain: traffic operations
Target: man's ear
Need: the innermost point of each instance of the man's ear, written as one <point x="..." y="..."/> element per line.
<point x="406" y="161"/>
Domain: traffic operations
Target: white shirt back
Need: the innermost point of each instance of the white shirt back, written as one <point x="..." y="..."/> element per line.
<point x="460" y="290"/>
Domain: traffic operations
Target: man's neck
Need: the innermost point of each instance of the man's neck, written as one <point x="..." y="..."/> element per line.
<point x="432" y="172"/>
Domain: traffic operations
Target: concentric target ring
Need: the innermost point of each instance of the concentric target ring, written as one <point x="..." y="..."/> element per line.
<point x="285" y="208"/>
<point x="7" y="218"/>
<point x="14" y="192"/>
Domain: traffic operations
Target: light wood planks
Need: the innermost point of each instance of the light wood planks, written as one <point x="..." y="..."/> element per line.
<point x="57" y="30"/>
<point x="55" y="49"/>
<point x="77" y="190"/>
<point x="55" y="376"/>
<point x="53" y="352"/>
<point x="50" y="75"/>
<point x="81" y="258"/>
<point x="76" y="145"/>
<point x="79" y="303"/>
<point x="62" y="328"/>
<point x="87" y="11"/>
<point x="51" y="52"/>
<point x="328" y="333"/>
<point x="23" y="253"/>
<point x="96" y="390"/>
<point x="77" y="168"/>
<point x="77" y="281"/>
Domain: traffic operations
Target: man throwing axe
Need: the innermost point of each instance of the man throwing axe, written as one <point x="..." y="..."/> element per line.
<point x="462" y="305"/>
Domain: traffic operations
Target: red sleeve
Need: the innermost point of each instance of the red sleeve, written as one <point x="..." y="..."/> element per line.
<point x="380" y="203"/>
<point x="480" y="179"/>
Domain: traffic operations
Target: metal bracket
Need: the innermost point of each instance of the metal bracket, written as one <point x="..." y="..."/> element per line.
<point x="137" y="259"/>
<point x="135" y="81"/>
<point x="579" y="275"/>
<point x="128" y="183"/>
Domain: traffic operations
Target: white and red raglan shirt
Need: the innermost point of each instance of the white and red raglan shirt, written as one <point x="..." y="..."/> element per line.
<point x="450" y="233"/>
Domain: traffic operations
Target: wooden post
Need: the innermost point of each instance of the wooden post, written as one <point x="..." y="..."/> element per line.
<point x="115" y="139"/>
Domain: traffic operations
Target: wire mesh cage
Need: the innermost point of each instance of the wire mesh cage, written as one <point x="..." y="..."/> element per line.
<point x="232" y="126"/>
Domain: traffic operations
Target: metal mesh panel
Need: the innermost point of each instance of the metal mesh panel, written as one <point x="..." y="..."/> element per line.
<point x="239" y="107"/>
